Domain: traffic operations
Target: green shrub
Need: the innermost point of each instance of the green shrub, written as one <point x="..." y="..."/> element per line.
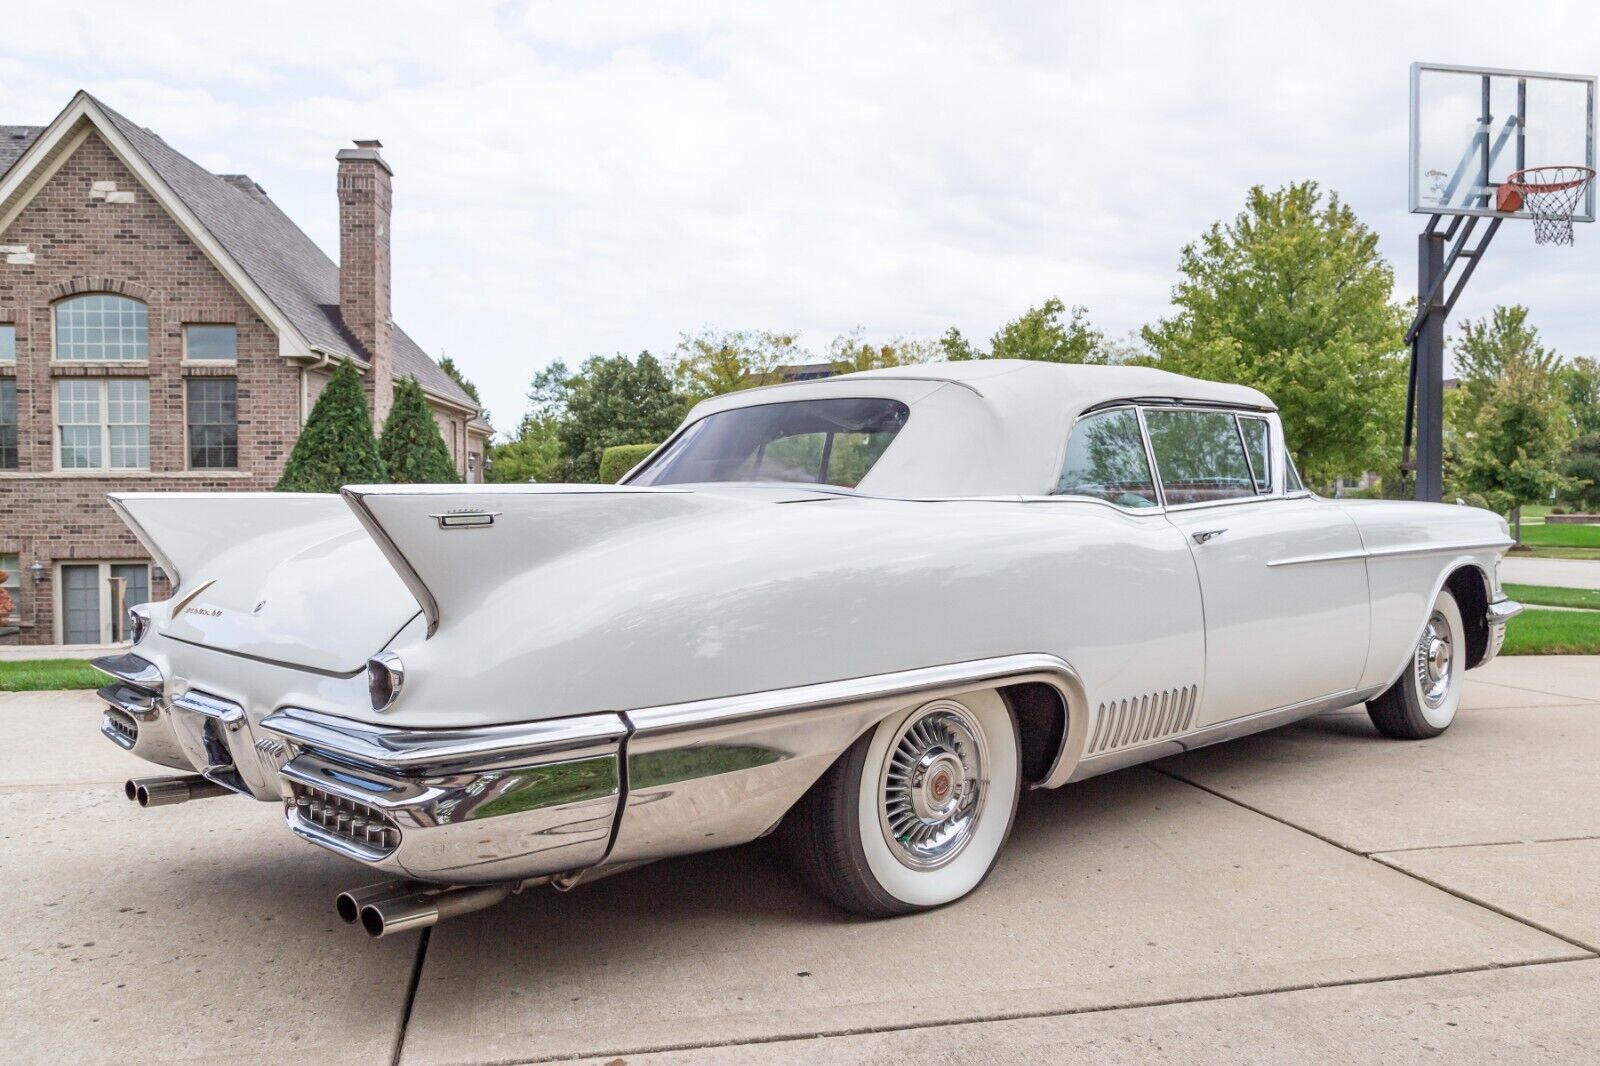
<point x="336" y="447"/>
<point x="621" y="458"/>
<point x="413" y="451"/>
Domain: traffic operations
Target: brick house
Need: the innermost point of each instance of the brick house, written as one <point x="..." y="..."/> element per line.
<point x="165" y="328"/>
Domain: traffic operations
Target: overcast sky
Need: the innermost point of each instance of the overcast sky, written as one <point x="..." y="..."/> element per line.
<point x="591" y="177"/>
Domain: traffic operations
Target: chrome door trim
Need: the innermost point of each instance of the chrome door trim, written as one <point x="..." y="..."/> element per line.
<point x="1394" y="552"/>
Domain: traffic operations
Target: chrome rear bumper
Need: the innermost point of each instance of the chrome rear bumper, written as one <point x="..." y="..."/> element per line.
<point x="459" y="806"/>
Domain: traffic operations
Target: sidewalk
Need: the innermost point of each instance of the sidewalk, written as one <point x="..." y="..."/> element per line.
<point x="1564" y="573"/>
<point x="1316" y="893"/>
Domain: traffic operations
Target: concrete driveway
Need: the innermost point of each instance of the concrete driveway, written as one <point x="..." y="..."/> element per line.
<point x="1313" y="893"/>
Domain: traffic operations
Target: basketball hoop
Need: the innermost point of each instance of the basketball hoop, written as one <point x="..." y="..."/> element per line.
<point x="1551" y="195"/>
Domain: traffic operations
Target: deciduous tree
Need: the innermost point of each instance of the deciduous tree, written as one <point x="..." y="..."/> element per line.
<point x="615" y="400"/>
<point x="1510" y="422"/>
<point x="715" y="361"/>
<point x="1293" y="298"/>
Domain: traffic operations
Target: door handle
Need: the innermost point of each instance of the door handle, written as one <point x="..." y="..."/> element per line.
<point x="1202" y="535"/>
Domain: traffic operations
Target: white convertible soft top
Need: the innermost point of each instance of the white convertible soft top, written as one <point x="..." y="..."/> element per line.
<point x="987" y="427"/>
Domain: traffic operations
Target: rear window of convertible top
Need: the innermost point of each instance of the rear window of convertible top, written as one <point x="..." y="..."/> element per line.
<point x="817" y="442"/>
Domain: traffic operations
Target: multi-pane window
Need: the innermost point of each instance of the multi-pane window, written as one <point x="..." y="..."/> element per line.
<point x="211" y="344"/>
<point x="8" y="423"/>
<point x="103" y="424"/>
<point x="213" y="424"/>
<point x="8" y="343"/>
<point x="101" y="327"/>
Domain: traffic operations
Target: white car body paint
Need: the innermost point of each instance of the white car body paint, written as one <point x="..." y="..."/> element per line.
<point x="552" y="603"/>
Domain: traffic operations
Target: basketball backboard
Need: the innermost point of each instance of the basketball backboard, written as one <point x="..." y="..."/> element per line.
<point x="1471" y="127"/>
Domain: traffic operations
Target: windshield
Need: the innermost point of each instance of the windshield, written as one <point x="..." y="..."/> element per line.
<point x="818" y="442"/>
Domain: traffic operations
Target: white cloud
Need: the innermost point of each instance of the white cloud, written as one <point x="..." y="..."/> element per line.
<point x="576" y="177"/>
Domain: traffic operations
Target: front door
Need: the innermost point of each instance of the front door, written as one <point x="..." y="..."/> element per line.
<point x="1285" y="623"/>
<point x="80" y="601"/>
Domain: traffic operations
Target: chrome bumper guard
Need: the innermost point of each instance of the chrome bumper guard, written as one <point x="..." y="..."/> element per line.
<point x="461" y="806"/>
<point x="134" y="718"/>
<point x="1500" y="612"/>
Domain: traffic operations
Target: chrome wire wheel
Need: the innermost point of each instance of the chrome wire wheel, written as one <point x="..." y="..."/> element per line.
<point x="1433" y="661"/>
<point x="933" y="785"/>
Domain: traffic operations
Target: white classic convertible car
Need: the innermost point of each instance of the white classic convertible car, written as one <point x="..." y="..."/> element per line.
<point x="865" y="611"/>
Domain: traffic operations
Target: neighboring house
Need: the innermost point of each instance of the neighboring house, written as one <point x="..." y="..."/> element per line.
<point x="165" y="328"/>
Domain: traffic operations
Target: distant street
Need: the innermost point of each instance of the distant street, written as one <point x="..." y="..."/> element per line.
<point x="1565" y="573"/>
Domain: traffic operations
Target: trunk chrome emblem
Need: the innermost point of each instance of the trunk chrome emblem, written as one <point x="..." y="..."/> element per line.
<point x="465" y="519"/>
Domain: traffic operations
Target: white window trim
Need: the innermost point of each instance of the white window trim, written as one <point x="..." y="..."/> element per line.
<point x="188" y="456"/>
<point x="103" y="583"/>
<point x="188" y="360"/>
<point x="105" y="468"/>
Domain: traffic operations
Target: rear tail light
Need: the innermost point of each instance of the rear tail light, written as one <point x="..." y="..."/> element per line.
<point x="138" y="622"/>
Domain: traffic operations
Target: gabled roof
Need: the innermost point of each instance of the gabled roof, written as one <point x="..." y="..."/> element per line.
<point x="279" y="260"/>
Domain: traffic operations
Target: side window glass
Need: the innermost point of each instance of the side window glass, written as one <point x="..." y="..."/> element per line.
<point x="1106" y="460"/>
<point x="1291" y="476"/>
<point x="1255" y="443"/>
<point x="1199" y="456"/>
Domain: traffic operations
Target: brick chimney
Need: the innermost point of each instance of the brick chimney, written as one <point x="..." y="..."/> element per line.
<point x="365" y="198"/>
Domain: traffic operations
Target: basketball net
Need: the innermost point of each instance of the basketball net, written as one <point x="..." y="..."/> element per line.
<point x="1551" y="196"/>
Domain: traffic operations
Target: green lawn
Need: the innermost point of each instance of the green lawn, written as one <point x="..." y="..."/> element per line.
<point x="1559" y="541"/>
<point x="38" y="675"/>
<point x="1536" y="632"/>
<point x="1550" y="596"/>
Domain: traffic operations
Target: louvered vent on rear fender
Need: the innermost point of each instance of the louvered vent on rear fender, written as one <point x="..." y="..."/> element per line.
<point x="1122" y="723"/>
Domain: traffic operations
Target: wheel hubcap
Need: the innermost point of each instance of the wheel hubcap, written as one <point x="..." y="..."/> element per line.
<point x="933" y="785"/>
<point x="1433" y="658"/>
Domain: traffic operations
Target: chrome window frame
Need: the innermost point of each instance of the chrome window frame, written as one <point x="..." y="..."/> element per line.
<point x="1274" y="444"/>
<point x="1160" y="504"/>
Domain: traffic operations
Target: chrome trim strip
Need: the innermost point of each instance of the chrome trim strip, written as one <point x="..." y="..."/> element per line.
<point x="1393" y="553"/>
<point x="188" y="598"/>
<point x="410" y="749"/>
<point x="129" y="667"/>
<point x="224" y="711"/>
<point x="753" y="707"/>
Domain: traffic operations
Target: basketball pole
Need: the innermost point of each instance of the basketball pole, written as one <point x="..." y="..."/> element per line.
<point x="1425" y="387"/>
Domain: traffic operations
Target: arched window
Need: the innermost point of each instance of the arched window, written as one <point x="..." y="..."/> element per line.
<point x="101" y="327"/>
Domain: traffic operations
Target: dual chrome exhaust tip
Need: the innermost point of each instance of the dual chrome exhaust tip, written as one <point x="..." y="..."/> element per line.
<point x="164" y="791"/>
<point x="401" y="906"/>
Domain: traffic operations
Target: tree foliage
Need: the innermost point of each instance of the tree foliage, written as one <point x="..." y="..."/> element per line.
<point x="715" y="361"/>
<point x="448" y="365"/>
<point x="851" y="353"/>
<point x="1293" y="298"/>
<point x="1509" y="419"/>
<point x="336" y="446"/>
<point x="1038" y="333"/>
<point x="615" y="400"/>
<point x="413" y="450"/>
<point x="1580" y="387"/>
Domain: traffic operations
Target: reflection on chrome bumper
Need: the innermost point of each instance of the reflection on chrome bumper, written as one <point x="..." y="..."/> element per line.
<point x="1500" y="612"/>
<point x="134" y="719"/>
<point x="462" y="806"/>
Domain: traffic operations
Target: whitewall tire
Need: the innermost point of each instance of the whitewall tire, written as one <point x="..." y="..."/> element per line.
<point x="914" y="815"/>
<point x="1423" y="701"/>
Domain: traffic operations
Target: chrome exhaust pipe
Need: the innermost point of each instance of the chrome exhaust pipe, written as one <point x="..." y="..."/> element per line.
<point x="349" y="902"/>
<point x="163" y="791"/>
<point x="385" y="917"/>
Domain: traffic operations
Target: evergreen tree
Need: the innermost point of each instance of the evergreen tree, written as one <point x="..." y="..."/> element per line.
<point x="413" y="451"/>
<point x="336" y="447"/>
